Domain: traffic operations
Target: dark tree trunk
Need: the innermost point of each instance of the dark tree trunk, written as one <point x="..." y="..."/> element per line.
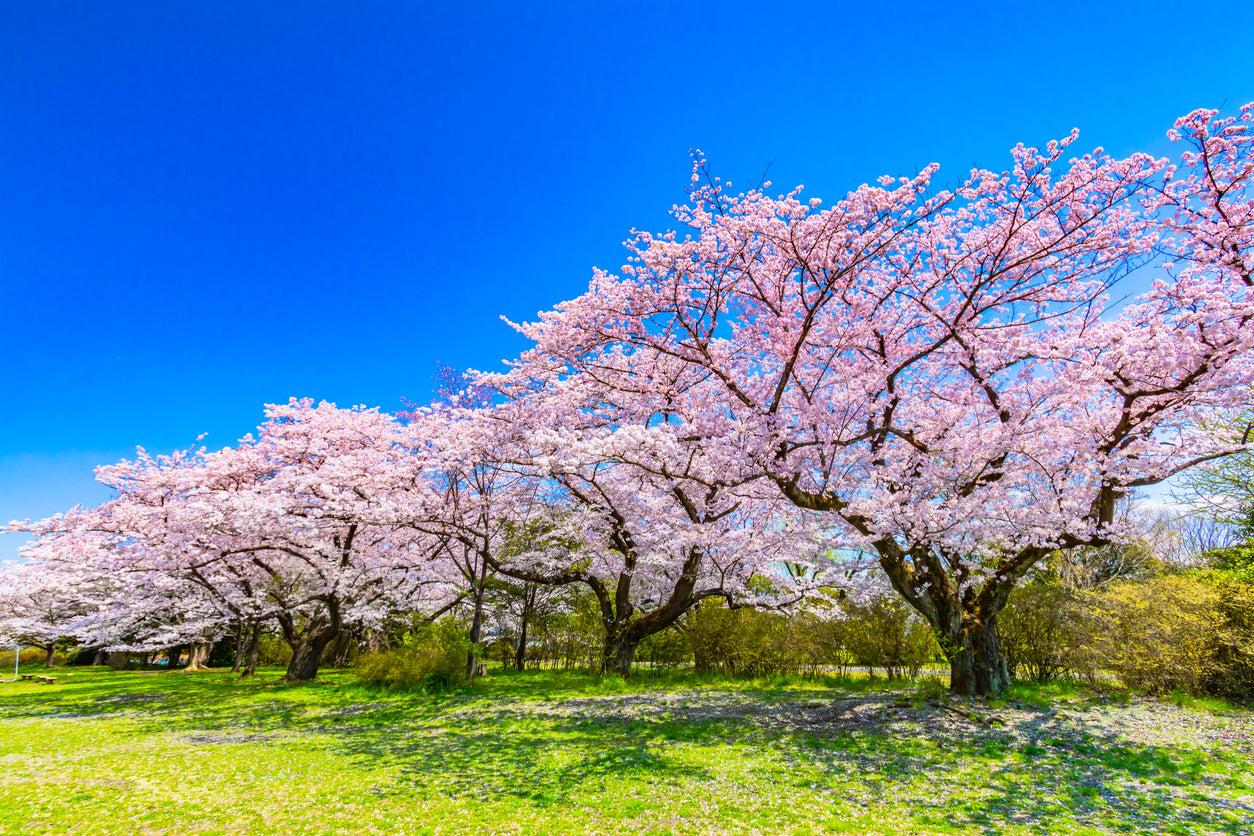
<point x="620" y="650"/>
<point x="48" y="660"/>
<point x="623" y="635"/>
<point x="100" y="658"/>
<point x="476" y="627"/>
<point x="977" y="665"/>
<point x="173" y="656"/>
<point x="254" y="650"/>
<point x="307" y="656"/>
<point x="530" y="591"/>
<point x="965" y="624"/>
<point x="308" y="647"/>
<point x="197" y="655"/>
<point x="344" y="643"/>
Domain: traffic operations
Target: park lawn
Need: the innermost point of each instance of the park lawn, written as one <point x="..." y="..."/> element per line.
<point x="104" y="752"/>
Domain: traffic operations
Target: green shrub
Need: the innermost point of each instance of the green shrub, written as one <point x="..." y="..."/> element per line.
<point x="747" y="642"/>
<point x="1233" y="671"/>
<point x="1234" y="561"/>
<point x="433" y="658"/>
<point x="121" y="661"/>
<point x="884" y="634"/>
<point x="273" y="651"/>
<point x="1043" y="633"/>
<point x="222" y="654"/>
<point x="667" y="649"/>
<point x="502" y="650"/>
<point x="81" y="656"/>
<point x="887" y="633"/>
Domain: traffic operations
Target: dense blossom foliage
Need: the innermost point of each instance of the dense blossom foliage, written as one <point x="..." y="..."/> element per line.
<point x="942" y="375"/>
<point x="948" y="380"/>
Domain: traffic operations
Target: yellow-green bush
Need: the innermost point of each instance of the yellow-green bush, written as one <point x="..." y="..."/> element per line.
<point x="667" y="649"/>
<point x="884" y="634"/>
<point x="273" y="651"/>
<point x="1159" y="634"/>
<point x="433" y="657"/>
<point x="29" y="656"/>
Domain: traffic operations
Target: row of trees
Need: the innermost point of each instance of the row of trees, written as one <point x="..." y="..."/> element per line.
<point x="1160" y="613"/>
<point x="329" y="521"/>
<point x="1137" y="612"/>
<point x="936" y="381"/>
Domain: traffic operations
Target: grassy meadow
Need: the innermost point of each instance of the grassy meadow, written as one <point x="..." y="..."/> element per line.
<point x="131" y="752"/>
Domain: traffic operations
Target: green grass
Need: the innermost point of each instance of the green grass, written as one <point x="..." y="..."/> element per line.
<point x="104" y="752"/>
<point x="1204" y="704"/>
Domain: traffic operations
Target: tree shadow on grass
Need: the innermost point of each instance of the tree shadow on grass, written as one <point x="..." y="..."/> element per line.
<point x="1108" y="781"/>
<point x="544" y="767"/>
<point x="951" y="764"/>
<point x="176" y="699"/>
<point x="457" y="756"/>
<point x="1033" y="769"/>
<point x="964" y="764"/>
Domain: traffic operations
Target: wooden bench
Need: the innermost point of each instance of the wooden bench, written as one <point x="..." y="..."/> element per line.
<point x="27" y="676"/>
<point x="47" y="680"/>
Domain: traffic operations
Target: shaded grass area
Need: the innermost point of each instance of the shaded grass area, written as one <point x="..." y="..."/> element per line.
<point x="105" y="752"/>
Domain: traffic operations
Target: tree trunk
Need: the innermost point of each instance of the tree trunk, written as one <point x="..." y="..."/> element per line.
<point x="100" y="658"/>
<point x="173" y="656"/>
<point x="307" y="656"/>
<point x="197" y="654"/>
<point x="977" y="666"/>
<point x="254" y="650"/>
<point x="528" y="606"/>
<point x="965" y="628"/>
<point x="620" y="650"/>
<point x="476" y="627"/>
<point x="343" y="648"/>
<point x="51" y="649"/>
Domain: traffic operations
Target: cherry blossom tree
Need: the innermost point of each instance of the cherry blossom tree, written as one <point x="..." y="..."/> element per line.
<point x="546" y="492"/>
<point x="941" y="375"/>
<point x="653" y="529"/>
<point x="466" y="502"/>
<point x="39" y="606"/>
<point x="83" y="567"/>
<point x="304" y="519"/>
<point x="296" y="526"/>
<point x="461" y="501"/>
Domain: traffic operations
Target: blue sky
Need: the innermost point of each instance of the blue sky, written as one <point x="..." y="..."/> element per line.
<point x="208" y="207"/>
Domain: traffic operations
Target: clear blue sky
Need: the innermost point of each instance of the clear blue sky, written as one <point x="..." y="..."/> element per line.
<point x="207" y="207"/>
